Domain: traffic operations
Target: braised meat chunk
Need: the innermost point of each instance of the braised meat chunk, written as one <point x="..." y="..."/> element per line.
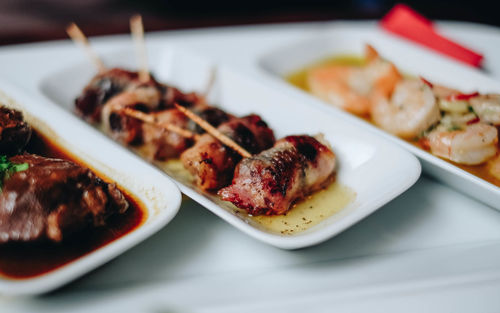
<point x="212" y="163"/>
<point x="14" y="131"/>
<point x="53" y="198"/>
<point x="270" y="182"/>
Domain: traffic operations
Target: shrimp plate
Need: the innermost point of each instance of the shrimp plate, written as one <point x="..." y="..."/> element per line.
<point x="412" y="60"/>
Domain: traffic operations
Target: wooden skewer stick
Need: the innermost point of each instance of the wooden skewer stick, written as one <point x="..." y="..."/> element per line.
<point x="214" y="132"/>
<point x="147" y="118"/>
<point x="210" y="83"/>
<point x="75" y="33"/>
<point x="137" y="30"/>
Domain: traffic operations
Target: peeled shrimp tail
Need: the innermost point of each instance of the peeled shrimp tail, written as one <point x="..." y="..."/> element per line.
<point x="473" y="145"/>
<point x="411" y="110"/>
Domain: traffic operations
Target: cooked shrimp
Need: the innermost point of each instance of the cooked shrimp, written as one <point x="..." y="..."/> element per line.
<point x="334" y="85"/>
<point x="472" y="145"/>
<point x="411" y="109"/>
<point x="371" y="54"/>
<point x="487" y="107"/>
<point x="383" y="76"/>
<point x="352" y="88"/>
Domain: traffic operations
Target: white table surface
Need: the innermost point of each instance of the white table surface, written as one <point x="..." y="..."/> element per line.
<point x="431" y="249"/>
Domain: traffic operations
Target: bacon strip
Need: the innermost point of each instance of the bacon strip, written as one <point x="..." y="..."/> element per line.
<point x="212" y="163"/>
<point x="270" y="182"/>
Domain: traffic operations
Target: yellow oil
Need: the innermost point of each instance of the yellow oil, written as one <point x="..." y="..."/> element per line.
<point x="304" y="214"/>
<point x="299" y="78"/>
<point x="175" y="169"/>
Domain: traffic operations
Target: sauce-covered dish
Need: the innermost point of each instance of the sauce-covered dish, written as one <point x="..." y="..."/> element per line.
<point x="63" y="211"/>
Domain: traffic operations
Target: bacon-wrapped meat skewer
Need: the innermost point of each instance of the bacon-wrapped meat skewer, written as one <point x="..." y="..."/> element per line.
<point x="147" y="129"/>
<point x="270" y="182"/>
<point x="161" y="144"/>
<point x="212" y="163"/>
<point x="122" y="127"/>
<point x="101" y="88"/>
<point x="111" y="82"/>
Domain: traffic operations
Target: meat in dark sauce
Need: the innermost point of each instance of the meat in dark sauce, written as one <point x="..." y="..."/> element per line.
<point x="54" y="198"/>
<point x="14" y="131"/>
<point x="54" y="210"/>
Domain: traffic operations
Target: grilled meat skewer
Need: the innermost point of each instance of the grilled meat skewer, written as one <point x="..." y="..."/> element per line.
<point x="270" y="182"/>
<point x="212" y="163"/>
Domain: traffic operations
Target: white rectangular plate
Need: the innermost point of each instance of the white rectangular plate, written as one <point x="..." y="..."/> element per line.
<point x="158" y="195"/>
<point x="410" y="59"/>
<point x="366" y="162"/>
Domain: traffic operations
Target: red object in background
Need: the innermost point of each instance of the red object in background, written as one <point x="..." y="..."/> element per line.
<point x="406" y="22"/>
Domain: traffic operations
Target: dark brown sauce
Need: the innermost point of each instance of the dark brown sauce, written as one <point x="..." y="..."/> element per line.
<point x="28" y="260"/>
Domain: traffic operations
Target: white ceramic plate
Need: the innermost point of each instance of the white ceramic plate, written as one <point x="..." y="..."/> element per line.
<point x="410" y="59"/>
<point x="376" y="170"/>
<point x="159" y="196"/>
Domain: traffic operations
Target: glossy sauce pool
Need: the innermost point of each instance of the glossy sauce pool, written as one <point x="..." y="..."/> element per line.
<point x="310" y="211"/>
<point x="299" y="79"/>
<point x="28" y="260"/>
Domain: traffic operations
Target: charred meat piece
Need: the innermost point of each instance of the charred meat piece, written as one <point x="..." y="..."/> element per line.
<point x="108" y="84"/>
<point x="14" y="131"/>
<point x="130" y="131"/>
<point x="125" y="129"/>
<point x="157" y="143"/>
<point x="270" y="182"/>
<point x="121" y="127"/>
<point x="102" y="88"/>
<point x="171" y="95"/>
<point x="214" y="116"/>
<point x="52" y="199"/>
<point x="160" y="144"/>
<point x="212" y="163"/>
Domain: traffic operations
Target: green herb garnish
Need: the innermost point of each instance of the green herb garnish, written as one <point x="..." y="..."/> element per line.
<point x="425" y="133"/>
<point x="454" y="128"/>
<point x="8" y="168"/>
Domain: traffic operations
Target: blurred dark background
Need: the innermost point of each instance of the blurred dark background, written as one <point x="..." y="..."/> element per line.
<point x="36" y="20"/>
